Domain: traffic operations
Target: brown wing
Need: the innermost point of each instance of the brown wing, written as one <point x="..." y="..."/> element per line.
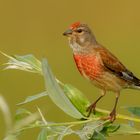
<point x="113" y="64"/>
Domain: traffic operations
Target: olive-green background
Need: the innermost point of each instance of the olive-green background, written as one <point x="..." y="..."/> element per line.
<point x="36" y="27"/>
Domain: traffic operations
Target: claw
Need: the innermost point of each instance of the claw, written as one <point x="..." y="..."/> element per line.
<point x="113" y="116"/>
<point x="91" y="109"/>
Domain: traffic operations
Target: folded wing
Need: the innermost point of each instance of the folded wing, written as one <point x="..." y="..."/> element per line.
<point x="113" y="65"/>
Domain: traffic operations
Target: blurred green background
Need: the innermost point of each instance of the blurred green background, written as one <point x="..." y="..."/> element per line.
<point x="36" y="27"/>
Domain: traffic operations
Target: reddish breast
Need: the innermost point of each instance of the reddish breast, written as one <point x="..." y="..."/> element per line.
<point x="89" y="66"/>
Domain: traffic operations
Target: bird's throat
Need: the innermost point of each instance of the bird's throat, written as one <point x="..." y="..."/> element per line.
<point x="82" y="48"/>
<point x="78" y="49"/>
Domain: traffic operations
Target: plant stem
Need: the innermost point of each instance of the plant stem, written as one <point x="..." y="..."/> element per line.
<point x="71" y="124"/>
<point x="119" y="116"/>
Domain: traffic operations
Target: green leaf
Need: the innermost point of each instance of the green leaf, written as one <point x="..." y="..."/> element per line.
<point x="33" y="97"/>
<point x="58" y="132"/>
<point x="26" y="63"/>
<point x="88" y="129"/>
<point x="10" y="137"/>
<point x="56" y="93"/>
<point x="97" y="136"/>
<point x="134" y="110"/>
<point x="125" y="129"/>
<point x="112" y="127"/>
<point x="96" y="125"/>
<point x="22" y="113"/>
<point x="64" y="131"/>
<point x="31" y="60"/>
<point x="77" y="98"/>
<point x="42" y="135"/>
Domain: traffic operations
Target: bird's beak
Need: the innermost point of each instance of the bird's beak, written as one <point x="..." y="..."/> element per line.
<point x="67" y="32"/>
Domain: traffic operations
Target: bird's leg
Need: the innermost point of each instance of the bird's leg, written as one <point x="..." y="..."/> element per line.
<point x="113" y="112"/>
<point x="92" y="107"/>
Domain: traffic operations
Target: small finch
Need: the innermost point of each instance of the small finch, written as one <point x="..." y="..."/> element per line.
<point x="99" y="65"/>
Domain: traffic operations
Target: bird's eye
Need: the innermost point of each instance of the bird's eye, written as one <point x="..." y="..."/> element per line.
<point x="79" y="30"/>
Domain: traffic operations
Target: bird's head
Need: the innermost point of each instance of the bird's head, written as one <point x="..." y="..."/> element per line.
<point x="80" y="36"/>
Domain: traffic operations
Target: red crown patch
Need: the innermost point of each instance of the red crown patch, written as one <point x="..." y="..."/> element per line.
<point x="75" y="25"/>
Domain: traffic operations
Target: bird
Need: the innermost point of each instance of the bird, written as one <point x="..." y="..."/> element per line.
<point x="98" y="65"/>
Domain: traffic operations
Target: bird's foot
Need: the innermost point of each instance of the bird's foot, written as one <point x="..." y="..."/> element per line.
<point x="91" y="109"/>
<point x="111" y="117"/>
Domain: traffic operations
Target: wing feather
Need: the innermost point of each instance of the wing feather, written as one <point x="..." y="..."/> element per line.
<point x="113" y="65"/>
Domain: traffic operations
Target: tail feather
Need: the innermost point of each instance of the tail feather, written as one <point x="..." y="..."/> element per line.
<point x="136" y="81"/>
<point x="135" y="84"/>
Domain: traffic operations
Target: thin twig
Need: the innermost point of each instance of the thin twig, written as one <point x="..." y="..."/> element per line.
<point x="42" y="117"/>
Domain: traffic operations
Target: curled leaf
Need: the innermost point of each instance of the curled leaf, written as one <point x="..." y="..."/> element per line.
<point x="26" y="63"/>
